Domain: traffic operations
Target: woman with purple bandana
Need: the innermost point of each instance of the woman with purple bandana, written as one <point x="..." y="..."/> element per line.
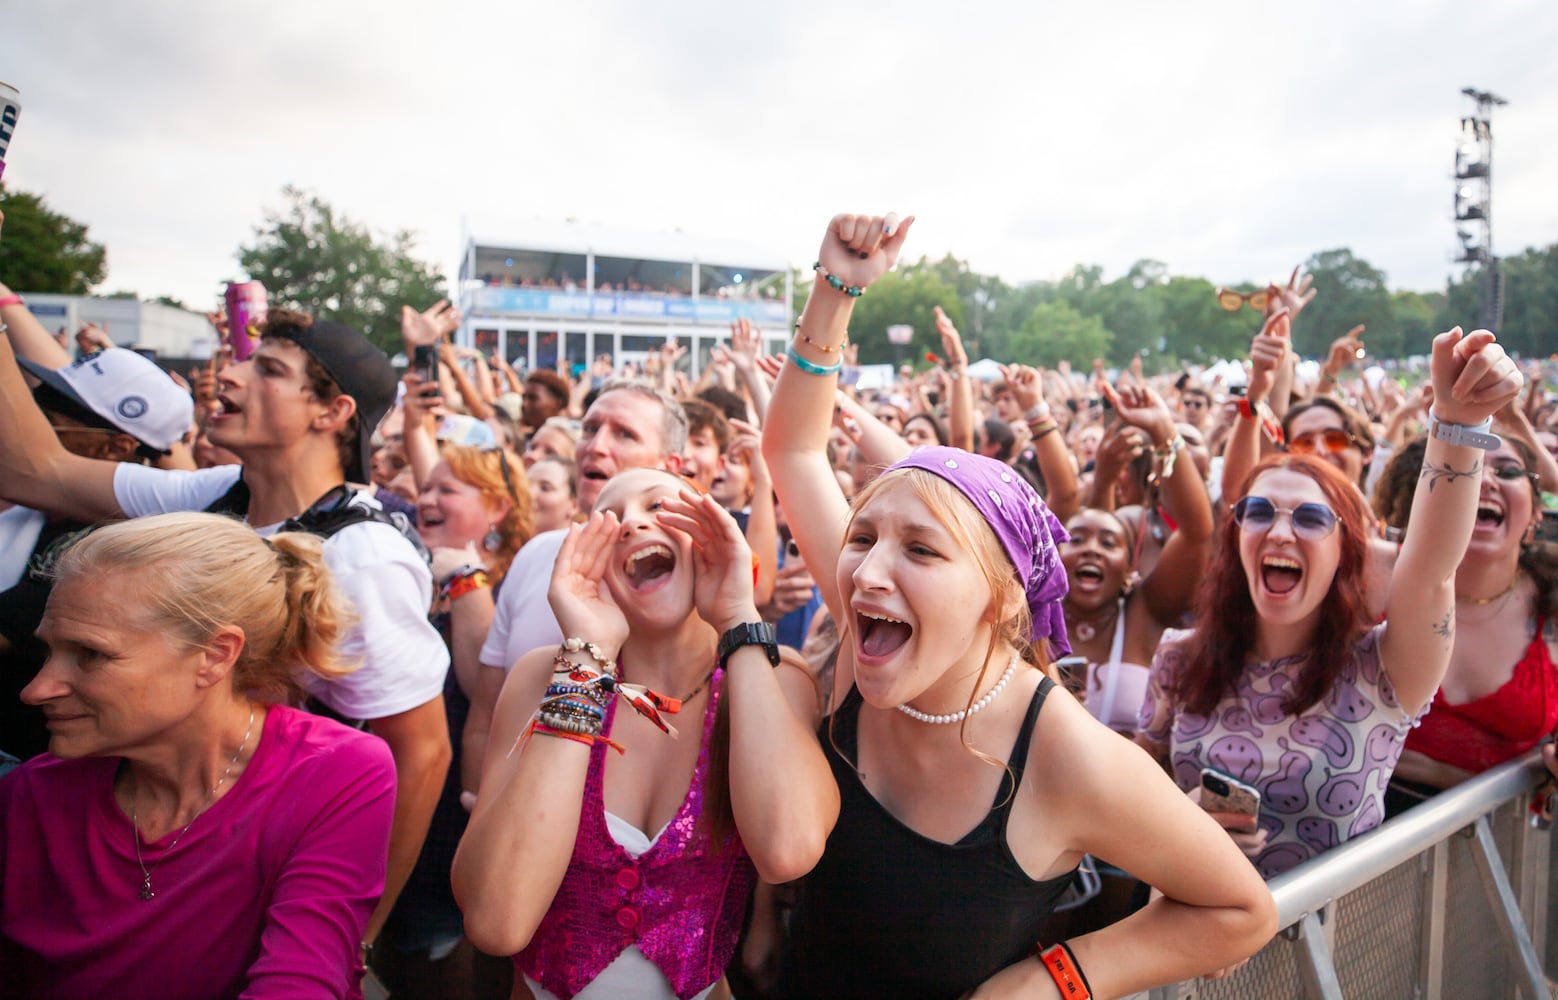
<point x="970" y="784"/>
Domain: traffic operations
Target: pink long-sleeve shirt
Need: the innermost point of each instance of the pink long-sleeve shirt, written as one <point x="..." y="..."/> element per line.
<point x="265" y="895"/>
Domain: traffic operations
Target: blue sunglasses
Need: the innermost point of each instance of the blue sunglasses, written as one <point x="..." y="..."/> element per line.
<point x="1311" y="521"/>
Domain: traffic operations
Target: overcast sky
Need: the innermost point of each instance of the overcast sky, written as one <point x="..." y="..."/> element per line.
<point x="1230" y="140"/>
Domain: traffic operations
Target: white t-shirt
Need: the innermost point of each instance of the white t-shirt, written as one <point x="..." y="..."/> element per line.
<point x="403" y="659"/>
<point x="523" y="618"/>
<point x="19" y="531"/>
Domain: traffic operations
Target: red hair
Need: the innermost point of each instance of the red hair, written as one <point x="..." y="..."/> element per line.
<point x="1225" y="613"/>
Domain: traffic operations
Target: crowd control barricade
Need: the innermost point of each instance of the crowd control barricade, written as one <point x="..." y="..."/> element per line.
<point x="1449" y="900"/>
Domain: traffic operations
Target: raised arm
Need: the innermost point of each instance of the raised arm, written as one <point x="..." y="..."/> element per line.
<point x="35" y="469"/>
<point x="1268" y="351"/>
<point x="1171" y="585"/>
<point x="879" y="443"/>
<point x="515" y="851"/>
<point x="28" y="337"/>
<point x="856" y="250"/>
<point x="1472" y="379"/>
<point x="746" y="345"/>
<point x="1049" y="445"/>
<point x="960" y="408"/>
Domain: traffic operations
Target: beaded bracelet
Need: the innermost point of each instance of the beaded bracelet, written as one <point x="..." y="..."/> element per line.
<point x="573" y="644"/>
<point x="836" y="283"/>
<point x="1043" y="427"/>
<point x="590" y="691"/>
<point x="588" y="740"/>
<point x="824" y="348"/>
<point x="816" y="369"/>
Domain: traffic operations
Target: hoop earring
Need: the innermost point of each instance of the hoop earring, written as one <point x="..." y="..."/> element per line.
<point x="492" y="541"/>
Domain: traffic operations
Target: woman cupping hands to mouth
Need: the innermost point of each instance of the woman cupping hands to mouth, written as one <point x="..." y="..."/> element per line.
<point x="620" y="827"/>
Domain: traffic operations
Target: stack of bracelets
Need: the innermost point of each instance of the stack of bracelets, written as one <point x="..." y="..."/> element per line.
<point x="574" y="705"/>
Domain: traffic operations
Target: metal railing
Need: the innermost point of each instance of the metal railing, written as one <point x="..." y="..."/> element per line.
<point x="1449" y="900"/>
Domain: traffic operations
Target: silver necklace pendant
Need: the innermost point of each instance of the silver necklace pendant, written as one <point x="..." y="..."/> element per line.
<point x="1085" y="631"/>
<point x="146" y="892"/>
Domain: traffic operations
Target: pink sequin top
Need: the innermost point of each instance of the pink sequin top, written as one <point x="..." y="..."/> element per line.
<point x="680" y="902"/>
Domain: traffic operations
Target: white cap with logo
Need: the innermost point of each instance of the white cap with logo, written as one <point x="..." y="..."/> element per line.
<point x="125" y="389"/>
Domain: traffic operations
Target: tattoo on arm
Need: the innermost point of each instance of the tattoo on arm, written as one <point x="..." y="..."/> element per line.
<point x="1447" y="473"/>
<point x="1445" y="629"/>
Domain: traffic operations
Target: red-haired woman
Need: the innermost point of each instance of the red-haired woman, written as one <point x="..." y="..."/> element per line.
<point x="1285" y="685"/>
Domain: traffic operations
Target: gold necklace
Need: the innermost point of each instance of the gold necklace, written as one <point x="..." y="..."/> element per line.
<point x="1478" y="602"/>
<point x="135" y="819"/>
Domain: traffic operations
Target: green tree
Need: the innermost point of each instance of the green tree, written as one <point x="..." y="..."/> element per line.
<point x="310" y="258"/>
<point x="902" y="297"/>
<point x="1055" y="331"/>
<point x="1349" y="290"/>
<point x="1195" y="328"/>
<point x="43" y="251"/>
<point x="1414" y="313"/>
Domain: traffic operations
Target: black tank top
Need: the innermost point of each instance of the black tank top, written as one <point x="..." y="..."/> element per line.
<point x="890" y="913"/>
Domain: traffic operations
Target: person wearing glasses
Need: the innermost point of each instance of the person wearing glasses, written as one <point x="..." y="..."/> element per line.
<point x="1499" y="697"/>
<point x="1287" y="684"/>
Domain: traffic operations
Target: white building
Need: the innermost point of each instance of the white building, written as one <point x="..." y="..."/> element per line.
<point x="173" y="334"/>
<point x="549" y="292"/>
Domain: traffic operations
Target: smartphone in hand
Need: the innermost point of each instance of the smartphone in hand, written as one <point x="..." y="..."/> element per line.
<point x="425" y="361"/>
<point x="1229" y="796"/>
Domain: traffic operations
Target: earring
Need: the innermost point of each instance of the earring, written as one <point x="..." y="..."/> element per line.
<point x="492" y="541"/>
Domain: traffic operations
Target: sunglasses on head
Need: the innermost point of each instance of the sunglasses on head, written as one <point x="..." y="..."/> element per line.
<point x="1332" y="440"/>
<point x="1311" y="521"/>
<point x="1232" y="300"/>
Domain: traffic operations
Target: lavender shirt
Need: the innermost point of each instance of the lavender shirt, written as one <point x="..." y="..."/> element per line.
<point x="265" y="895"/>
<point x="1321" y="774"/>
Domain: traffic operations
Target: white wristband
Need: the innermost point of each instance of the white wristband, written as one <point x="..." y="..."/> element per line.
<point x="1469" y="435"/>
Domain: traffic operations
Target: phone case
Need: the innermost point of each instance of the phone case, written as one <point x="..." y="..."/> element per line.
<point x="1239" y="799"/>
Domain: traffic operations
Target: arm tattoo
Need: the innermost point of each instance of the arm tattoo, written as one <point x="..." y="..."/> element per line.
<point x="1435" y="474"/>
<point x="1444" y="629"/>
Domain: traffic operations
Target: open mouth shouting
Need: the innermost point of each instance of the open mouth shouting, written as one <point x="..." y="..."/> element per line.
<point x="880" y="634"/>
<point x="1490" y="516"/>
<point x="1088" y="577"/>
<point x="649" y="568"/>
<point x="1280" y="575"/>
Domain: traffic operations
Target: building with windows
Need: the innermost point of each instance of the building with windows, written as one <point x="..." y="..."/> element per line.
<point x="573" y="292"/>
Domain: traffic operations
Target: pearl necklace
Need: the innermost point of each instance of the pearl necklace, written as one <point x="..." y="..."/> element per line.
<point x="135" y="819"/>
<point x="959" y="716"/>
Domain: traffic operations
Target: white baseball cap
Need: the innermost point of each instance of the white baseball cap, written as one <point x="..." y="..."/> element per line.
<point x="126" y="390"/>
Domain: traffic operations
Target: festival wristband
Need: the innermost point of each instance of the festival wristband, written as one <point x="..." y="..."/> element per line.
<point x="11" y="300"/>
<point x="1063" y="968"/>
<point x="1270" y="425"/>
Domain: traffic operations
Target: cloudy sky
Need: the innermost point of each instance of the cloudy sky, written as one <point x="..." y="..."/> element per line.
<point x="1229" y="140"/>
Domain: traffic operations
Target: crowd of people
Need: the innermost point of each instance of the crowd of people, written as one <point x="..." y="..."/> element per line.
<point x="489" y="684"/>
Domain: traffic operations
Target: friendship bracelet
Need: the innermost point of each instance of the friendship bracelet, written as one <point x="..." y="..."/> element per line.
<point x="589" y="741"/>
<point x="459" y="585"/>
<point x="836" y="283"/>
<point x="1038" y="411"/>
<point x="1037" y="431"/>
<point x="816" y="369"/>
<point x="1063" y="968"/>
<point x="1167" y="455"/>
<point x="12" y="300"/>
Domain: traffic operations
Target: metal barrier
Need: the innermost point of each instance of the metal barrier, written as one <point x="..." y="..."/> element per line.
<point x="1449" y="900"/>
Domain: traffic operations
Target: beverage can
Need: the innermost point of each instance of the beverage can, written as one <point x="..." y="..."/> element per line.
<point x="10" y="110"/>
<point x="246" y="304"/>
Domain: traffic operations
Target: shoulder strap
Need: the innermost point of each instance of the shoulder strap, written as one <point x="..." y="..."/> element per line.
<point x="1019" y="758"/>
<point x="335" y="511"/>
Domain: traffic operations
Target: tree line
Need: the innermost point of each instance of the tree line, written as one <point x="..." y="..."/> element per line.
<point x="310" y="257"/>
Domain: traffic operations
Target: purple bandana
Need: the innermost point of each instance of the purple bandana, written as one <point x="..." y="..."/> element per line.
<point x="1026" y="527"/>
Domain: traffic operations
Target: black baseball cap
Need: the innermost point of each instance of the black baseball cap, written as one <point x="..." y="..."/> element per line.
<point x="362" y="372"/>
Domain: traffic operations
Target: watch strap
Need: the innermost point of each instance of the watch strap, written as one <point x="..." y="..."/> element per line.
<point x="749" y="634"/>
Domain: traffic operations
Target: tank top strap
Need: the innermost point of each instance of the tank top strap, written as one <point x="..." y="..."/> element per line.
<point x="1019" y="759"/>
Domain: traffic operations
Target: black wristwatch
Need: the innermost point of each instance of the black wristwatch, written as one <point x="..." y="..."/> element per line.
<point x="750" y="634"/>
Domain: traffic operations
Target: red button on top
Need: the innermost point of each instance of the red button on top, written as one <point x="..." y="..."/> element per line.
<point x="627" y="880"/>
<point x="627" y="918"/>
